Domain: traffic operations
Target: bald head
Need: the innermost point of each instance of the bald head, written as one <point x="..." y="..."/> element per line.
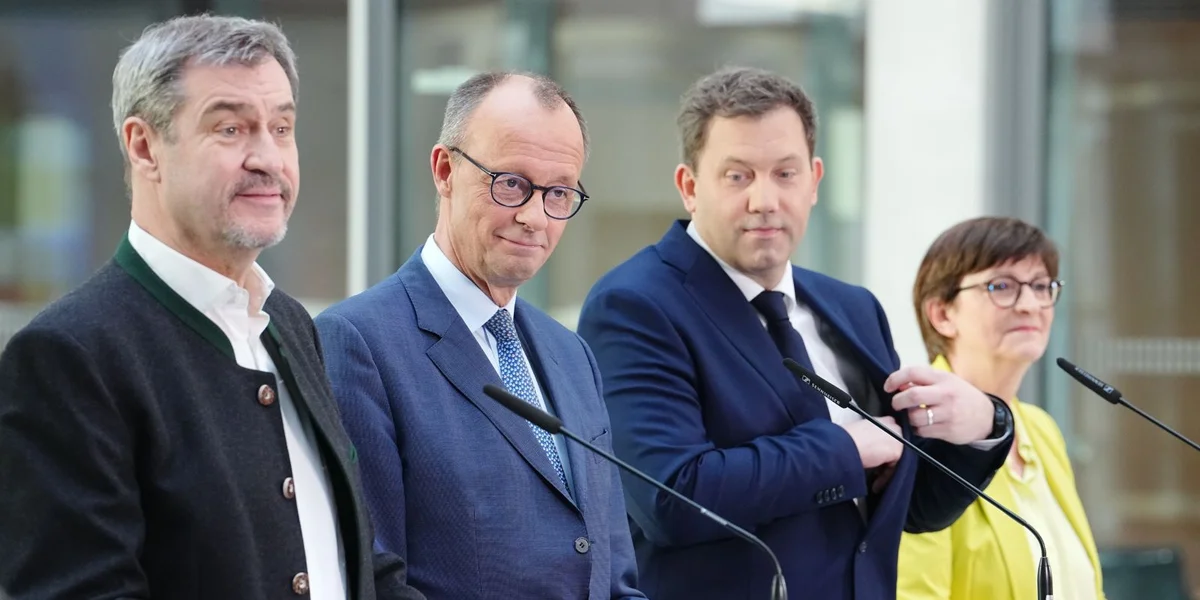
<point x="467" y="98"/>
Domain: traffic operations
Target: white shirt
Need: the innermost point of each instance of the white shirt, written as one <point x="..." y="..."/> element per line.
<point x="475" y="308"/>
<point x="824" y="361"/>
<point x="1074" y="577"/>
<point x="237" y="311"/>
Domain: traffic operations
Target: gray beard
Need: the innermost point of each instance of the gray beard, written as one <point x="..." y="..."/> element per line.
<point x="236" y="237"/>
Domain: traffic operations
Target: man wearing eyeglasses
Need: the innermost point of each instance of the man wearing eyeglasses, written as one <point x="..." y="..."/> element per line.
<point x="481" y="502"/>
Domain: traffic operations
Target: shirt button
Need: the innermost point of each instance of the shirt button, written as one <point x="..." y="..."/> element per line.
<point x="300" y="584"/>
<point x="266" y="395"/>
<point x="582" y="545"/>
<point x="289" y="488"/>
<point x="862" y="548"/>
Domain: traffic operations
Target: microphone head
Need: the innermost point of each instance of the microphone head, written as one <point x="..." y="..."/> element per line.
<point x="525" y="410"/>
<point x="830" y="391"/>
<point x="1090" y="381"/>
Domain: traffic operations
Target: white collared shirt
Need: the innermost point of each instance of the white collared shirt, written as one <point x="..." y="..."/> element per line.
<point x="237" y="311"/>
<point x="824" y="361"/>
<point x="475" y="308"/>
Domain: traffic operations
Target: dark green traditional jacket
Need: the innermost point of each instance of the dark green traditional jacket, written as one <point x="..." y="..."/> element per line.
<point x="139" y="460"/>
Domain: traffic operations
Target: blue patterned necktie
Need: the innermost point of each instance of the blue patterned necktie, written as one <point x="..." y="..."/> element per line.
<point x="514" y="372"/>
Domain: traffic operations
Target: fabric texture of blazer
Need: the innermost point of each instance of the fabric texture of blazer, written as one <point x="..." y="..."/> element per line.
<point x="457" y="483"/>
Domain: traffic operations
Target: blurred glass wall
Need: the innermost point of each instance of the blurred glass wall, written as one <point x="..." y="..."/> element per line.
<point x="627" y="63"/>
<point x="62" y="202"/>
<point x="1123" y="199"/>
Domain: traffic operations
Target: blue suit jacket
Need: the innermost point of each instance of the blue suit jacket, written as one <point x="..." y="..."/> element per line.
<point x="699" y="398"/>
<point x="454" y="481"/>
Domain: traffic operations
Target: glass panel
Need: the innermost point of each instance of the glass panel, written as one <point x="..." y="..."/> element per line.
<point x="442" y="43"/>
<point x="63" y="206"/>
<point x="1125" y="130"/>
<point x="627" y="63"/>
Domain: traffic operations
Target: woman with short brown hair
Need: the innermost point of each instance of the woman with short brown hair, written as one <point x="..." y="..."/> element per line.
<point x="985" y="296"/>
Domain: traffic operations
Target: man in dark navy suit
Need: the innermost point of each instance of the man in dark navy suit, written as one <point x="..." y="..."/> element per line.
<point x="690" y="336"/>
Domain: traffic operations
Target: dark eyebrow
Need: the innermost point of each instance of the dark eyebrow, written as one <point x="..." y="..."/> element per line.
<point x="243" y="107"/>
<point x="227" y="106"/>
<point x="733" y="160"/>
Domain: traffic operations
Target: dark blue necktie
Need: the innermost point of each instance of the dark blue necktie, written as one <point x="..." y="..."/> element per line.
<point x="779" y="325"/>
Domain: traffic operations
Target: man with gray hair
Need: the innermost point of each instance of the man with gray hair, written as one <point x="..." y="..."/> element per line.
<point x="482" y="503"/>
<point x="166" y="429"/>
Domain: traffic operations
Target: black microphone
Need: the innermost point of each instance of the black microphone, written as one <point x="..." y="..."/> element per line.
<point x="554" y="425"/>
<point x="1114" y="396"/>
<point x="842" y="399"/>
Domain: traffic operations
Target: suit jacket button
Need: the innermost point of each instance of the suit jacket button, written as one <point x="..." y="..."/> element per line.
<point x="862" y="548"/>
<point x="266" y="395"/>
<point x="289" y="488"/>
<point x="582" y="545"/>
<point x="300" y="584"/>
<point x="841" y="491"/>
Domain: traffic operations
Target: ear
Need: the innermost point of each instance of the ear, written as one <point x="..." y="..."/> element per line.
<point x="818" y="167"/>
<point x="442" y="168"/>
<point x="685" y="182"/>
<point x="941" y="316"/>
<point x="142" y="146"/>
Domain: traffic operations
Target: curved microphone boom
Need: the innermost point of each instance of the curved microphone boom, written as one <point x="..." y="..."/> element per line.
<point x="841" y="398"/>
<point x="553" y="425"/>
<point x="1114" y="396"/>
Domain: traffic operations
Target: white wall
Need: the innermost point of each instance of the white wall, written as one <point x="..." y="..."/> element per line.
<point x="926" y="134"/>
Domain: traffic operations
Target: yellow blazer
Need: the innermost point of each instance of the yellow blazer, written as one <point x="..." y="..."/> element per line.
<point x="985" y="555"/>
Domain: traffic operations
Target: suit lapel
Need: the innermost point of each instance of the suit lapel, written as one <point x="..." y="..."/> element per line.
<point x="462" y="362"/>
<point x="736" y="319"/>
<point x="334" y="447"/>
<point x="863" y="373"/>
<point x="1018" y="557"/>
<point x="305" y="391"/>
<point x="132" y="263"/>
<point x="837" y="322"/>
<point x="1057" y="473"/>
<point x="559" y="393"/>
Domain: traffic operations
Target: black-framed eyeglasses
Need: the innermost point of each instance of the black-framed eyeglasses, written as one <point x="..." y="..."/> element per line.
<point x="512" y="190"/>
<point x="1005" y="292"/>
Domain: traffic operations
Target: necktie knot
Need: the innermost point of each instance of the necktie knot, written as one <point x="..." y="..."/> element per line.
<point x="501" y="326"/>
<point x="770" y="304"/>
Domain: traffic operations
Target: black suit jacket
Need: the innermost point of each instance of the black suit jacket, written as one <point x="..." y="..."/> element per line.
<point x="138" y="460"/>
